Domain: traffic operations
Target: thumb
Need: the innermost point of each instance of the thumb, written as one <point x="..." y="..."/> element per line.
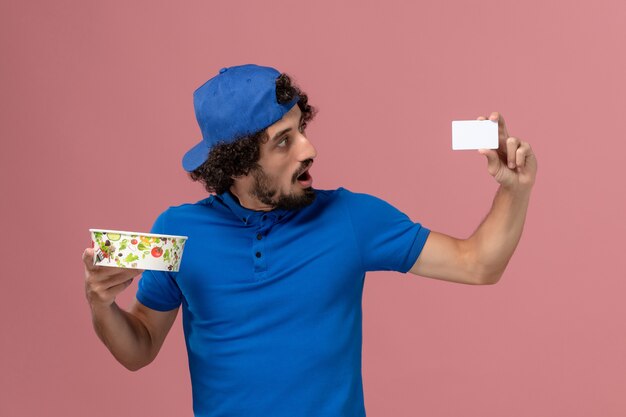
<point x="493" y="162"/>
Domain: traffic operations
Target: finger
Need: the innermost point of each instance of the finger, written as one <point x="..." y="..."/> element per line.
<point x="118" y="275"/>
<point x="116" y="289"/>
<point x="481" y="118"/>
<point x="520" y="155"/>
<point x="106" y="285"/>
<point x="88" y="259"/>
<point x="105" y="271"/>
<point x="511" y="151"/>
<point x="503" y="133"/>
<point x="493" y="161"/>
<point x="88" y="255"/>
<point x="108" y="276"/>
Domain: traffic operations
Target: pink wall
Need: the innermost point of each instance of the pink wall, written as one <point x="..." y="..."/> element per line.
<point x="96" y="113"/>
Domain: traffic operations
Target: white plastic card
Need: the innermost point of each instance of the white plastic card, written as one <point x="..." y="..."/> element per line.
<point x="474" y="134"/>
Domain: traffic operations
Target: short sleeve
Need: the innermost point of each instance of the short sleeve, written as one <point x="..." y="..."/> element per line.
<point x="387" y="239"/>
<point x="158" y="290"/>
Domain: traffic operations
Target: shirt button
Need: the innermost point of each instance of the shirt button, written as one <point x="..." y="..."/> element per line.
<point x="264" y="216"/>
<point x="259" y="236"/>
<point x="258" y="254"/>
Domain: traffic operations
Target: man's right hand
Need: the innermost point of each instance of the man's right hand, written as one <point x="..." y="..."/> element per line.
<point x="102" y="283"/>
<point x="135" y="336"/>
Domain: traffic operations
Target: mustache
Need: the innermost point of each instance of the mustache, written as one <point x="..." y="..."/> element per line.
<point x="307" y="165"/>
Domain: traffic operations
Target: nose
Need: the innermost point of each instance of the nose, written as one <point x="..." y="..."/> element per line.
<point x="306" y="150"/>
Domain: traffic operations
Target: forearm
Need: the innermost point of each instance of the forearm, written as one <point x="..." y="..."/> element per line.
<point x="495" y="240"/>
<point x="124" y="335"/>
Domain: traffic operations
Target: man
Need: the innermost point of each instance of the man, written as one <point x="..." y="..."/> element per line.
<point x="272" y="274"/>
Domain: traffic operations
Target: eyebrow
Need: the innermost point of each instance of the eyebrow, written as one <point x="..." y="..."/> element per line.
<point x="279" y="134"/>
<point x="282" y="132"/>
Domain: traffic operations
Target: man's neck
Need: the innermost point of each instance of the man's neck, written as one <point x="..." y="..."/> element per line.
<point x="246" y="201"/>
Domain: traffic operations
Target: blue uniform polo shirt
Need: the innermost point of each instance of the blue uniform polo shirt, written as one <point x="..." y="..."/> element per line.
<point x="271" y="301"/>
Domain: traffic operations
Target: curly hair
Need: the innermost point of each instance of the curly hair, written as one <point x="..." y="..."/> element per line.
<point x="228" y="160"/>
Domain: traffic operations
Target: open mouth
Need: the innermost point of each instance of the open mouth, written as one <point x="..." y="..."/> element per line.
<point x="304" y="176"/>
<point x="305" y="179"/>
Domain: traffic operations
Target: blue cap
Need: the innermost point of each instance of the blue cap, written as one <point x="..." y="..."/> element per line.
<point x="237" y="102"/>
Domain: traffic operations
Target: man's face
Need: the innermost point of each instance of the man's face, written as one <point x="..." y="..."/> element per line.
<point x="283" y="158"/>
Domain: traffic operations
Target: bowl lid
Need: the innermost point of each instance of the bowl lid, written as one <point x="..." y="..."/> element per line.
<point x="121" y="232"/>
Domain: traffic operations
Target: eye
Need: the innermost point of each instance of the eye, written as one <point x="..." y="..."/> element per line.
<point x="283" y="140"/>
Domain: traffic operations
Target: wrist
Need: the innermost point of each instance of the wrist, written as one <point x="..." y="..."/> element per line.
<point x="517" y="190"/>
<point x="99" y="308"/>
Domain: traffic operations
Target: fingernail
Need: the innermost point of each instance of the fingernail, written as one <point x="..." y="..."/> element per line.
<point x="511" y="165"/>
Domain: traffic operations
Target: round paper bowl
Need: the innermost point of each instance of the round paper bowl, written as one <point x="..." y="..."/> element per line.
<point x="137" y="250"/>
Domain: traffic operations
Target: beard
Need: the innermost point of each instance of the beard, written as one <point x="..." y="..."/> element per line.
<point x="264" y="190"/>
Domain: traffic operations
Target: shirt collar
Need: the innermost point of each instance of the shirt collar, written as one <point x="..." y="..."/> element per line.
<point x="248" y="216"/>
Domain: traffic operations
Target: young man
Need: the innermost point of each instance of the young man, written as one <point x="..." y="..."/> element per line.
<point x="272" y="275"/>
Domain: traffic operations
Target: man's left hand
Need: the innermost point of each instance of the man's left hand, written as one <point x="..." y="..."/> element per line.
<point x="513" y="164"/>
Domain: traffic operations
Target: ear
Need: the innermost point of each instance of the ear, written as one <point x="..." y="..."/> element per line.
<point x="238" y="177"/>
<point x="235" y="177"/>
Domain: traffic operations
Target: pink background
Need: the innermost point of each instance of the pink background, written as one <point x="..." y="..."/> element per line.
<point x="96" y="113"/>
